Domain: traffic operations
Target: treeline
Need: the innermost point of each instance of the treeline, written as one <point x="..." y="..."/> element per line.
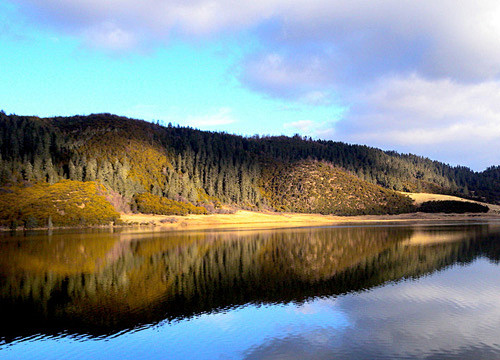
<point x="132" y="157"/>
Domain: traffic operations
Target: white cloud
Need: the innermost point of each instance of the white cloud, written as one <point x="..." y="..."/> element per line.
<point x="281" y="75"/>
<point x="110" y="36"/>
<point x="316" y="98"/>
<point x="415" y="74"/>
<point x="428" y="117"/>
<point x="305" y="126"/>
<point x="146" y="20"/>
<point x="222" y="116"/>
<point x="442" y="119"/>
<point x="351" y="43"/>
<point x="445" y="38"/>
<point x="322" y="130"/>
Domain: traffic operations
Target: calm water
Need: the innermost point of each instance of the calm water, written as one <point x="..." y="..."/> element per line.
<point x="387" y="292"/>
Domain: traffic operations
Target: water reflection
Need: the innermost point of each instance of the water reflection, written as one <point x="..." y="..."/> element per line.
<point x="451" y="315"/>
<point x="100" y="284"/>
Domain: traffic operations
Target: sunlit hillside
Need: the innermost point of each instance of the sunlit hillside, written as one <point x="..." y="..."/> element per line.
<point x="151" y="168"/>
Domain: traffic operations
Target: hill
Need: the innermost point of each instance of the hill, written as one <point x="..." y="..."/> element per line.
<point x="66" y="203"/>
<point x="131" y="157"/>
<point x="319" y="187"/>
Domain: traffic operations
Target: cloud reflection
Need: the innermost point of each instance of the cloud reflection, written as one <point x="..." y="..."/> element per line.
<point x="453" y="314"/>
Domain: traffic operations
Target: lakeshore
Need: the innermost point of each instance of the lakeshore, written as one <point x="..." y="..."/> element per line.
<point x="266" y="220"/>
<point x="257" y="220"/>
<point x="252" y="220"/>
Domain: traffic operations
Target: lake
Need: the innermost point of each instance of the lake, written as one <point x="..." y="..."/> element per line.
<point x="357" y="292"/>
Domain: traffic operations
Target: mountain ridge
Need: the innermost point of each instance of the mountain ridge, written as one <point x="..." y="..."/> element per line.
<point x="205" y="168"/>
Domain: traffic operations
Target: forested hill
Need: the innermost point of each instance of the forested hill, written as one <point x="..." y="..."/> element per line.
<point x="131" y="157"/>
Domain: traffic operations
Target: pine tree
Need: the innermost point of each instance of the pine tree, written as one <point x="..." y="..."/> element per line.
<point x="28" y="171"/>
<point x="72" y="171"/>
<point x="91" y="170"/>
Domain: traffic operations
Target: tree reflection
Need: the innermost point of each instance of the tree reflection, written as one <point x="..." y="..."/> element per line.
<point x="106" y="282"/>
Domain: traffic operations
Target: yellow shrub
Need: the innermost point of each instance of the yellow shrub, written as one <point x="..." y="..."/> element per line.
<point x="152" y="204"/>
<point x="66" y="203"/>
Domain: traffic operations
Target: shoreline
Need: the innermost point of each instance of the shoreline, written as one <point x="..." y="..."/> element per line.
<point x="250" y="220"/>
<point x="253" y="220"/>
<point x="261" y="220"/>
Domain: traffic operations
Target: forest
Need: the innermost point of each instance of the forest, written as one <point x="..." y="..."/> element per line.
<point x="146" y="166"/>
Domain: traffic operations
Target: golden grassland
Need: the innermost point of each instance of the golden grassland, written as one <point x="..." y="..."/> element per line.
<point x="247" y="220"/>
<point x="75" y="204"/>
<point x="419" y="198"/>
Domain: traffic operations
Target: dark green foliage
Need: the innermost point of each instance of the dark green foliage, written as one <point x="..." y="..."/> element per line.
<point x="489" y="184"/>
<point x="133" y="157"/>
<point x="30" y="222"/>
<point x="452" y="206"/>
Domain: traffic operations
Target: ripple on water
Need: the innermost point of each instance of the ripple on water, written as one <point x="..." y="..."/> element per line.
<point x="343" y="293"/>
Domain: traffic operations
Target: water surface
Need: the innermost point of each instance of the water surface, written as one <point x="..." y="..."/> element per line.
<point x="368" y="292"/>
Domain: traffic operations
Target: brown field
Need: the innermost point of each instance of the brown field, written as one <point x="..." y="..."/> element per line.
<point x="250" y="220"/>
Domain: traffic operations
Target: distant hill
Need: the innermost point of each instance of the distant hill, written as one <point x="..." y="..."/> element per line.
<point x="131" y="157"/>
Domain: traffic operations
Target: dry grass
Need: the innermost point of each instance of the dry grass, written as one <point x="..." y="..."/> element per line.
<point x="247" y="220"/>
<point x="420" y="198"/>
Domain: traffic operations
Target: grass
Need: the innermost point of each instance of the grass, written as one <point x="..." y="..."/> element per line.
<point x="252" y="220"/>
<point x="420" y="198"/>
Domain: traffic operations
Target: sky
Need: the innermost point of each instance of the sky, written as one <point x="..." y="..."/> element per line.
<point x="411" y="76"/>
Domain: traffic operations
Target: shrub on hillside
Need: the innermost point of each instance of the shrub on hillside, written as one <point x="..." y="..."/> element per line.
<point x="452" y="206"/>
<point x="319" y="187"/>
<point x="151" y="204"/>
<point x="66" y="203"/>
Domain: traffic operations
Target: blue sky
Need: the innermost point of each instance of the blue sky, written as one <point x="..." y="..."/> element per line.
<point x="420" y="77"/>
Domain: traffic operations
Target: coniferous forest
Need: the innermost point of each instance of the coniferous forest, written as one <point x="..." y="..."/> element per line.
<point x="152" y="168"/>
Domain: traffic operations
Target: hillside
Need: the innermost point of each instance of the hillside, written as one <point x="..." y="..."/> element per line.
<point x="132" y="157"/>
<point x="66" y="203"/>
<point x="318" y="187"/>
